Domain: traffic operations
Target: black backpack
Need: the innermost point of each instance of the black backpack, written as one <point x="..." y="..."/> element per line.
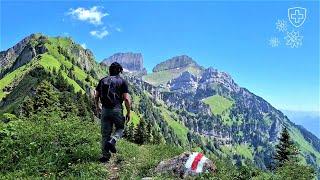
<point x="109" y="92"/>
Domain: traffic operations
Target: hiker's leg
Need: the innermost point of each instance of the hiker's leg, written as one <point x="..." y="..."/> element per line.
<point x="119" y="121"/>
<point x="106" y="130"/>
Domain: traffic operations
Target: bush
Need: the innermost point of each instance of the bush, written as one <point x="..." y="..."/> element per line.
<point x="292" y="171"/>
<point x="45" y="145"/>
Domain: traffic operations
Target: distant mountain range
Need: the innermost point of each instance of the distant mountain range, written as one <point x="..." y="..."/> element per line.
<point x="189" y="105"/>
<point x="308" y="119"/>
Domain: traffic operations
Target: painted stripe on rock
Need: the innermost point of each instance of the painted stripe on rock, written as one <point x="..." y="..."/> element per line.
<point x="195" y="162"/>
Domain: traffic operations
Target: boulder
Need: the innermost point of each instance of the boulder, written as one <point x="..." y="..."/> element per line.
<point x="187" y="164"/>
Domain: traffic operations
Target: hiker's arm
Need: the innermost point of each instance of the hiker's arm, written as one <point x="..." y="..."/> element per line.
<point x="127" y="102"/>
<point x="97" y="98"/>
<point x="96" y="101"/>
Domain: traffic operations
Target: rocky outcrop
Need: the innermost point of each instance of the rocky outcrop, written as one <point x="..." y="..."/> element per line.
<point x="213" y="76"/>
<point x="129" y="61"/>
<point x="32" y="46"/>
<point x="175" y="62"/>
<point x="186" y="164"/>
<point x="8" y="57"/>
<point x="185" y="82"/>
<point x="83" y="56"/>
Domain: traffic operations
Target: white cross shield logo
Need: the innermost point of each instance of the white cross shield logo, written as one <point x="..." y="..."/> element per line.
<point x="297" y="16"/>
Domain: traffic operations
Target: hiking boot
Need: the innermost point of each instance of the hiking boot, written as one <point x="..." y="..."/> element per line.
<point x="112" y="145"/>
<point x="105" y="159"/>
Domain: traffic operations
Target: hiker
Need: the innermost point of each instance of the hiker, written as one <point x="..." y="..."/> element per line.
<point x="112" y="91"/>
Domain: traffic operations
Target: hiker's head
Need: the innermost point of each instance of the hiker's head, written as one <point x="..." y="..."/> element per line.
<point x="115" y="69"/>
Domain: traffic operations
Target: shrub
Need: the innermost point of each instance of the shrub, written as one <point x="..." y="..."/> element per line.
<point x="45" y="145"/>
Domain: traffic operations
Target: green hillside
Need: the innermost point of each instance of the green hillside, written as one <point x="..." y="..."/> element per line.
<point x="57" y="59"/>
<point x="10" y="78"/>
<point x="218" y="104"/>
<point x="66" y="149"/>
<point x="180" y="130"/>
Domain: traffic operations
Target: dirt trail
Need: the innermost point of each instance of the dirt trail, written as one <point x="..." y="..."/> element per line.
<point x="113" y="169"/>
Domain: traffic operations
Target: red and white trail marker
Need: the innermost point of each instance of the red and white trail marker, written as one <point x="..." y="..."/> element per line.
<point x="195" y="162"/>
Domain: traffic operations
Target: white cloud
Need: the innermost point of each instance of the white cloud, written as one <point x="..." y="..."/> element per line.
<point x="84" y="45"/>
<point x="118" y="29"/>
<point x="99" y="33"/>
<point x="92" y="15"/>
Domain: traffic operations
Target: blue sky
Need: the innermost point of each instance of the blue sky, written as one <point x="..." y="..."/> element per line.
<point x="230" y="36"/>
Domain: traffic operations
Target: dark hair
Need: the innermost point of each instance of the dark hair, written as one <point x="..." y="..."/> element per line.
<point x="115" y="69"/>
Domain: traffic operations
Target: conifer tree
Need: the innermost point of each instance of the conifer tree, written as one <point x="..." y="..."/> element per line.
<point x="27" y="107"/>
<point x="285" y="150"/>
<point x="129" y="132"/>
<point x="149" y="136"/>
<point x="45" y="96"/>
<point x="87" y="78"/>
<point x="140" y="134"/>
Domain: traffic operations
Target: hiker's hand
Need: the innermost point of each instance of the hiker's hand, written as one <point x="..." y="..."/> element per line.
<point x="128" y="116"/>
<point x="98" y="111"/>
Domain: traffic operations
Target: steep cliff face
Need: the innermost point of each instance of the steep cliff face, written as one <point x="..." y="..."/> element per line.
<point x="8" y="57"/>
<point x="129" y="61"/>
<point x="22" y="53"/>
<point x="186" y="82"/>
<point x="84" y="57"/>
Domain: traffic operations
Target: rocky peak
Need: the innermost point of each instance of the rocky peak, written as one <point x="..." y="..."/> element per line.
<point x="175" y="62"/>
<point x="8" y="57"/>
<point x="22" y="53"/>
<point x="129" y="61"/>
<point x="212" y="75"/>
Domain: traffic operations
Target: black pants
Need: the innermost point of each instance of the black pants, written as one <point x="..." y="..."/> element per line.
<point x="110" y="117"/>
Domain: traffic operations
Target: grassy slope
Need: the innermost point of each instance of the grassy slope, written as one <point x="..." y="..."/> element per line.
<point x="51" y="59"/>
<point x="179" y="129"/>
<point x="18" y="94"/>
<point x="218" y="104"/>
<point x="65" y="43"/>
<point x="303" y="145"/>
<point x="136" y="162"/>
<point x="73" y="152"/>
<point x="243" y="150"/>
<point x="49" y="62"/>
<point x="162" y="77"/>
<point x="9" y="78"/>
